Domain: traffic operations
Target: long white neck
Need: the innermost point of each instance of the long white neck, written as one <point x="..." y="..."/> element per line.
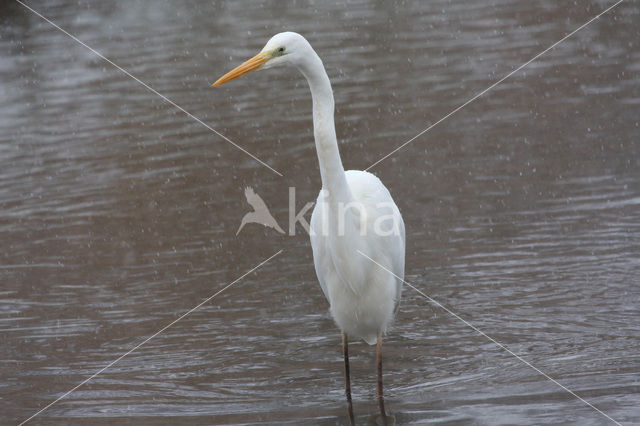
<point x="324" y="130"/>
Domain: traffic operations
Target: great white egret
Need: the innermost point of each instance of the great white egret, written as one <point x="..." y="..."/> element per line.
<point x="347" y="220"/>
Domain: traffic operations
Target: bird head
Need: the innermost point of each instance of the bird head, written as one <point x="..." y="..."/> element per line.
<point x="286" y="48"/>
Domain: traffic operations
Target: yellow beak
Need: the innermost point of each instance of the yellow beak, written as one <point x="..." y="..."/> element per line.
<point x="252" y="64"/>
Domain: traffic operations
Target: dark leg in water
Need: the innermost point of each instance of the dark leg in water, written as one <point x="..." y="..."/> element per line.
<point x="379" y="365"/>
<point x="347" y="377"/>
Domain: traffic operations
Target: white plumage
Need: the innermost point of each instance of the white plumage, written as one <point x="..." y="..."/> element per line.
<point x="354" y="217"/>
<point x="363" y="297"/>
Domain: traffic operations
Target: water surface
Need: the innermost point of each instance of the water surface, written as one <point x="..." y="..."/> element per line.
<point x="118" y="212"/>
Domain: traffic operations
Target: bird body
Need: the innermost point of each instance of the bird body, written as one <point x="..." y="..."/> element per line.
<point x="354" y="222"/>
<point x="363" y="297"/>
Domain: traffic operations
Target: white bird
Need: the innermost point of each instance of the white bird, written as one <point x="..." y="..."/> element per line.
<point x="354" y="222"/>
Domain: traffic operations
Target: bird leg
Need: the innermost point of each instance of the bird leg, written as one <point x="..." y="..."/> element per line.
<point x="379" y="365"/>
<point x="347" y="377"/>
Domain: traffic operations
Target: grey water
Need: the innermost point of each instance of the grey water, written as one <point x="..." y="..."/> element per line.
<point x="118" y="212"/>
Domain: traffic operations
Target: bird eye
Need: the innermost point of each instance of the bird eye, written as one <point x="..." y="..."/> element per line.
<point x="281" y="49"/>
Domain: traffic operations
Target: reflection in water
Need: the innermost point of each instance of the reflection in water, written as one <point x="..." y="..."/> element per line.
<point x="118" y="212"/>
